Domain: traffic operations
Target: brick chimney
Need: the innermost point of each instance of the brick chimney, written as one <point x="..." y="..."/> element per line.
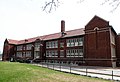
<point x="62" y="26"/>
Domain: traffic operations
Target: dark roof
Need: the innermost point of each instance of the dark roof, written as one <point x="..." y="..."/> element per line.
<point x="70" y="33"/>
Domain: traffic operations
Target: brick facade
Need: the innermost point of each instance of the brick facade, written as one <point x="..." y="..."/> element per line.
<point x="95" y="45"/>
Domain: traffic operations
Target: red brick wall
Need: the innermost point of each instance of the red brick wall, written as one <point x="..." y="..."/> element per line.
<point x="96" y="21"/>
<point x="118" y="46"/>
<point x="118" y="50"/>
<point x="8" y="51"/>
<point x="97" y="43"/>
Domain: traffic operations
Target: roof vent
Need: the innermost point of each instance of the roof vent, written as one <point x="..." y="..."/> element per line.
<point x="26" y="40"/>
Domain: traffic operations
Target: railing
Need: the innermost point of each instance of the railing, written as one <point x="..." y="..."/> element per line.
<point x="98" y="73"/>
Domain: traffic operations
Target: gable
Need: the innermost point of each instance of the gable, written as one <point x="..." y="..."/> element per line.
<point x="96" y="22"/>
<point x="5" y="42"/>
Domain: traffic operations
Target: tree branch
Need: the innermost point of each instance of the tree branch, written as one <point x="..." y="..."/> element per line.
<point x="53" y="4"/>
<point x="50" y="5"/>
<point x="114" y="3"/>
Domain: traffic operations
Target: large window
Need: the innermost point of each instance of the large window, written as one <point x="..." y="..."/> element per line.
<point x="36" y="54"/>
<point x="19" y="54"/>
<point x="112" y="38"/>
<point x="61" y="53"/>
<point x="113" y="51"/>
<point x="62" y="45"/>
<point x="74" y="53"/>
<point x="28" y="54"/>
<point x="52" y="44"/>
<point x="51" y="53"/>
<point x="24" y="54"/>
<point x="28" y="46"/>
<point x="37" y="46"/>
<point x="74" y="42"/>
<point x="80" y="41"/>
<point x="19" y="47"/>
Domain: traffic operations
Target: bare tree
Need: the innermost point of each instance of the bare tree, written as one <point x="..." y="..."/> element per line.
<point x="53" y="4"/>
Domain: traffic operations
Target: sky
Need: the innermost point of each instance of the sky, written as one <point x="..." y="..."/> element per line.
<point x="22" y="19"/>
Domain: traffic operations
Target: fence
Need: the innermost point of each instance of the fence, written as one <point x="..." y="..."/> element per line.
<point x="98" y="73"/>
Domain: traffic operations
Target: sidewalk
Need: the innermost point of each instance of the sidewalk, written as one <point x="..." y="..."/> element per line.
<point x="92" y="71"/>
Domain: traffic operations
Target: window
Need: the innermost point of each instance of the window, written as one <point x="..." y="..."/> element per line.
<point x="61" y="53"/>
<point x="19" y="54"/>
<point x="28" y="46"/>
<point x="36" y="54"/>
<point x="47" y="53"/>
<point x="68" y="43"/>
<point x="19" y="47"/>
<point x="56" y="53"/>
<point x="74" y="42"/>
<point x="112" y="38"/>
<point x="51" y="53"/>
<point x="113" y="51"/>
<point x="61" y="45"/>
<point x="74" y="53"/>
<point x="52" y="44"/>
<point x="24" y="54"/>
<point x="56" y="44"/>
<point x="37" y="46"/>
<point x="80" y="41"/>
<point x="47" y="45"/>
<point x="68" y="53"/>
<point x="24" y="47"/>
<point x="28" y="54"/>
<point x="80" y="52"/>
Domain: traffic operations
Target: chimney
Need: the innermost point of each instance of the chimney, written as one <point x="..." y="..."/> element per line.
<point x="62" y="26"/>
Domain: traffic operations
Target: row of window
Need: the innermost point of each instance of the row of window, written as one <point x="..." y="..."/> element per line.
<point x="74" y="53"/>
<point x="75" y="42"/>
<point x="70" y="43"/>
<point x="54" y="53"/>
<point x="29" y="47"/>
<point x="51" y="53"/>
<point x="21" y="47"/>
<point x="52" y="44"/>
<point x="69" y="53"/>
<point x="24" y="54"/>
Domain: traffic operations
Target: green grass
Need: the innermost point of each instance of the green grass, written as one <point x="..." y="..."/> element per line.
<point x="19" y="72"/>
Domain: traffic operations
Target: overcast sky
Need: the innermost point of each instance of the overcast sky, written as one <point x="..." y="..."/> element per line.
<point x="22" y="19"/>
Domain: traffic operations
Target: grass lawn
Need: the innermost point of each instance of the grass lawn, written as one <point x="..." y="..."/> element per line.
<point x="19" y="72"/>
